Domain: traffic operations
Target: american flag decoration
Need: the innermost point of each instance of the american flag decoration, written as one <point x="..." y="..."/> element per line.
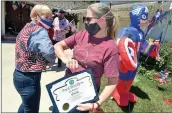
<point x="72" y="22"/>
<point x="73" y="26"/>
<point x="154" y="19"/>
<point x="156" y="50"/>
<point x="162" y="77"/>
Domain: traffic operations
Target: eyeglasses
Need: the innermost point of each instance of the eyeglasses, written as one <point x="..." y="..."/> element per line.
<point x="88" y="19"/>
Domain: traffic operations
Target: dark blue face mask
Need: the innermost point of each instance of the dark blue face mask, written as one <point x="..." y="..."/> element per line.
<point x="92" y="28"/>
<point x="47" y="22"/>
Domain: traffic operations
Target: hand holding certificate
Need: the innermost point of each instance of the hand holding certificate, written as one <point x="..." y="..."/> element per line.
<point x="69" y="91"/>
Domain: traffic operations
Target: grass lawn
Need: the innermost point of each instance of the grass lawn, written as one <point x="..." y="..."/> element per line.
<point x="149" y="97"/>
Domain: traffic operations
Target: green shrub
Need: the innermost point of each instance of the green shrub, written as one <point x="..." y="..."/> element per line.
<point x="166" y="56"/>
<point x="164" y="63"/>
<point x="150" y="66"/>
<point x="147" y="73"/>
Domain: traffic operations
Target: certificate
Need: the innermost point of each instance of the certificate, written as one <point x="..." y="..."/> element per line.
<point x="71" y="90"/>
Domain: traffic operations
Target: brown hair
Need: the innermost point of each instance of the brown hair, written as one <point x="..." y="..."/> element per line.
<point x="99" y="10"/>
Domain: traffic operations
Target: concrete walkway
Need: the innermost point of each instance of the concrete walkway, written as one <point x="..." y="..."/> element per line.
<point x="10" y="98"/>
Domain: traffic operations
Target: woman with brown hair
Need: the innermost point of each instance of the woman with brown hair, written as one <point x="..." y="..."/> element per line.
<point x="94" y="48"/>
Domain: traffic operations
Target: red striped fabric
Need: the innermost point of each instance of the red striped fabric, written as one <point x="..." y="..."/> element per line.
<point x="25" y="59"/>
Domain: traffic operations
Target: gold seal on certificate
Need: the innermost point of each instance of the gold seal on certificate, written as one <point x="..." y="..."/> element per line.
<point x="70" y="91"/>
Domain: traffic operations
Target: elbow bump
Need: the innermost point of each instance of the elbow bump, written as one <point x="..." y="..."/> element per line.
<point x="56" y="45"/>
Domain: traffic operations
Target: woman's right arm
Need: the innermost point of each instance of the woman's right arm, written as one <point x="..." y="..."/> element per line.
<point x="59" y="51"/>
<point x="60" y="48"/>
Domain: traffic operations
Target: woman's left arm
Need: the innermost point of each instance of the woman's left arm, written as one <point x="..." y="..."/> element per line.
<point x="111" y="68"/>
<point x="107" y="91"/>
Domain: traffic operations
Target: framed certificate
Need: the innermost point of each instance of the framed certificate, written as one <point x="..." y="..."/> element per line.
<point x="71" y="90"/>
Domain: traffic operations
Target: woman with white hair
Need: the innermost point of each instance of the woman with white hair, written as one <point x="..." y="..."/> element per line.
<point x="34" y="50"/>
